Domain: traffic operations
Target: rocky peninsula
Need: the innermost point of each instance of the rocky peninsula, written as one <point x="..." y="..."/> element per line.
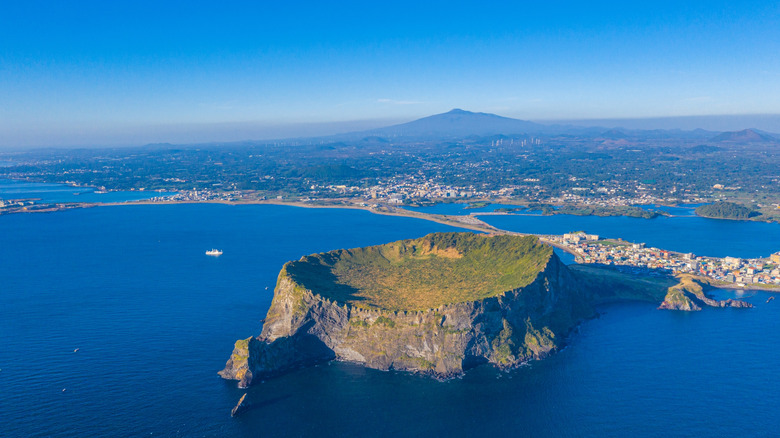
<point x="439" y="305"/>
<point x="689" y="295"/>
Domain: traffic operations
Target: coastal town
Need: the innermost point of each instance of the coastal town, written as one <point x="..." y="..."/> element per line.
<point x="640" y="259"/>
<point x="410" y="190"/>
<point x="410" y="193"/>
<point x="9" y="206"/>
<point x="199" y="196"/>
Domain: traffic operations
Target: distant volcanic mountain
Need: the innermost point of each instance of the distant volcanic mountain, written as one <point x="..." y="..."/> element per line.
<point x="459" y="123"/>
<point x="744" y="136"/>
<point x="614" y="134"/>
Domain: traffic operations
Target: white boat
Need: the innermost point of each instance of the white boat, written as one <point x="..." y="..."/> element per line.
<point x="214" y="252"/>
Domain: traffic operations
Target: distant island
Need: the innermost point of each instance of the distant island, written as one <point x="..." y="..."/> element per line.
<point x="726" y="210"/>
<point x="439" y="305"/>
<point x="586" y="210"/>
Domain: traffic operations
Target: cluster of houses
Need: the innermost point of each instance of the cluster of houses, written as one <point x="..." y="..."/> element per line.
<point x="608" y="198"/>
<point x="589" y="249"/>
<point x="401" y="190"/>
<point x="15" y="203"/>
<point x="397" y="192"/>
<point x="199" y="195"/>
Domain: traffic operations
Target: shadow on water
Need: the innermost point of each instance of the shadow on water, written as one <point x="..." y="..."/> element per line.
<point x="635" y="270"/>
<point x="254" y="403"/>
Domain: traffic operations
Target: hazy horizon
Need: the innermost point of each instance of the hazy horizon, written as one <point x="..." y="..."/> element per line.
<point x="190" y="134"/>
<point x="103" y="73"/>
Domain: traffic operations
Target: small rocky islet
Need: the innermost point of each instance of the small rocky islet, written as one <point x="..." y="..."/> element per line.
<point x="438" y="305"/>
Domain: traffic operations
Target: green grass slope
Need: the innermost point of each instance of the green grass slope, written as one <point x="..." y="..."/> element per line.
<point x="424" y="273"/>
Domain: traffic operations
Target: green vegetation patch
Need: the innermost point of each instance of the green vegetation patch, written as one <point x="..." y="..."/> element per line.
<point x="424" y="273"/>
<point x="726" y="210"/>
<point x="539" y="340"/>
<point x="503" y="345"/>
<point x="241" y="350"/>
<point x="420" y="362"/>
<point x="358" y="323"/>
<point x="385" y="321"/>
<point x="676" y="296"/>
<point x="629" y="211"/>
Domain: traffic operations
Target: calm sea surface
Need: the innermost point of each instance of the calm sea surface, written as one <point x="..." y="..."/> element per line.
<point x="684" y="232"/>
<point x="701" y="236"/>
<point x="46" y="192"/>
<point x="154" y="319"/>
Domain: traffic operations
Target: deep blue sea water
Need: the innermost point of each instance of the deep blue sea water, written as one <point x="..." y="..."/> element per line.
<point x="154" y="319"/>
<point x="48" y="192"/>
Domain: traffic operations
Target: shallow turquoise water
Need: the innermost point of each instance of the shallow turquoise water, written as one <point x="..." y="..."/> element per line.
<point x="154" y="319"/>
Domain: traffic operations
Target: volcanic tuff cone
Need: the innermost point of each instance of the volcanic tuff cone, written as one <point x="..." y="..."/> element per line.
<point x="438" y="304"/>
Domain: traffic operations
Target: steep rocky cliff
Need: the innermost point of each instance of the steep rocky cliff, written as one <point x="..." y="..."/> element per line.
<point x="439" y="305"/>
<point x="505" y="328"/>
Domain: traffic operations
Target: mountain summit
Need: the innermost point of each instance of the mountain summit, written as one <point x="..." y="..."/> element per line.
<point x="744" y="136"/>
<point x="459" y="123"/>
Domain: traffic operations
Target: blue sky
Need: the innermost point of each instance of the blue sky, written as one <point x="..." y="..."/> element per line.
<point x="119" y="72"/>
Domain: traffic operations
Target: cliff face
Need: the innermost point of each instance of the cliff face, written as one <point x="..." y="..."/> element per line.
<point x="458" y="300"/>
<point x="505" y="330"/>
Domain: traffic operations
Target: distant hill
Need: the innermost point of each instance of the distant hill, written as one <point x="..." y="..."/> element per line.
<point x="726" y="210"/>
<point x="744" y="136"/>
<point x="482" y="127"/>
<point x="458" y="123"/>
<point x="614" y="134"/>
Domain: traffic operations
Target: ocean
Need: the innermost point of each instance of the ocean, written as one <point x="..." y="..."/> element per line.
<point x="53" y="193"/>
<point x="154" y="318"/>
<point x="683" y="232"/>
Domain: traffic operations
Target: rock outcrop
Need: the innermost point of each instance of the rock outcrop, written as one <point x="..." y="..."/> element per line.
<point x="676" y="299"/>
<point x="240" y="407"/>
<point x="688" y="295"/>
<point x="303" y="327"/>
